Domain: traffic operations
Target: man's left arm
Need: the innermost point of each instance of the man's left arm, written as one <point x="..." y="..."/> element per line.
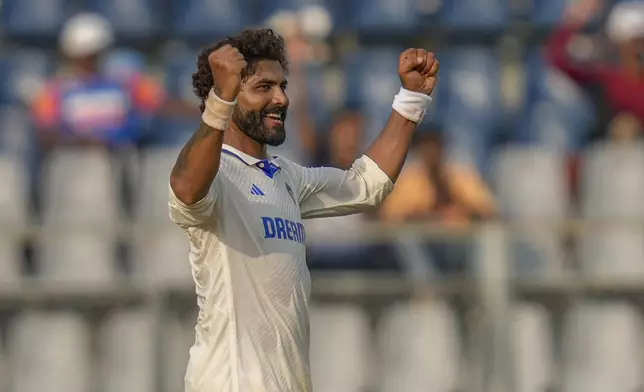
<point x="333" y="192"/>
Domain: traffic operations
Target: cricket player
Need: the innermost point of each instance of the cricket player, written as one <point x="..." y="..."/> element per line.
<point x="243" y="209"/>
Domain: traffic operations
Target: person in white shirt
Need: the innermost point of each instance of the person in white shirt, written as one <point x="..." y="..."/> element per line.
<point x="243" y="209"/>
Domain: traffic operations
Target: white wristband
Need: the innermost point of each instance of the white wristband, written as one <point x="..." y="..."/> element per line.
<point x="411" y="105"/>
<point x="218" y="112"/>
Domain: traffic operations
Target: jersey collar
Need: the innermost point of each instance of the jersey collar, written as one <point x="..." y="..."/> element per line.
<point x="269" y="167"/>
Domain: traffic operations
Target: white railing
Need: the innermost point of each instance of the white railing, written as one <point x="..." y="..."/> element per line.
<point x="490" y="289"/>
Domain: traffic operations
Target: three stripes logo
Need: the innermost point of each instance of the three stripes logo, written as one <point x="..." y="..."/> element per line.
<point x="254" y="190"/>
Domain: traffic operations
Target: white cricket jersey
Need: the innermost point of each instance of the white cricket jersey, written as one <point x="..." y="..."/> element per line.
<point x="247" y="252"/>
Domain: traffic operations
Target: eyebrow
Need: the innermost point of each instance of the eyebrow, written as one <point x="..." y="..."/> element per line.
<point x="270" y="81"/>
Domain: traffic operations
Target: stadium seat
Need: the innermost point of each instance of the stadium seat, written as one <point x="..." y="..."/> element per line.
<point x="122" y="63"/>
<point x="557" y="112"/>
<point x="50" y="351"/>
<point x="22" y="75"/>
<point x="80" y="187"/>
<point x="131" y="19"/>
<point x="178" y="337"/>
<point x="77" y="258"/>
<point x="601" y="348"/>
<point x="179" y="65"/>
<point x="14" y="192"/>
<point x="612" y="188"/>
<point x="10" y="261"/>
<point x="14" y="216"/>
<point x="161" y="257"/>
<point x="531" y="187"/>
<point x="547" y="14"/>
<point x="200" y="20"/>
<point x="128" y="352"/>
<point x="384" y="17"/>
<point x="16" y="133"/>
<point x="533" y="348"/>
<point x="372" y="82"/>
<point x="340" y="341"/>
<point x="33" y="19"/>
<point x="420" y="347"/>
<point x="475" y="15"/>
<point x="171" y="131"/>
<point x="152" y="195"/>
<point x="162" y="249"/>
<point x="473" y="107"/>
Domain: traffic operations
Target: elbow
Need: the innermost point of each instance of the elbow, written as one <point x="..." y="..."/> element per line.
<point x="183" y="191"/>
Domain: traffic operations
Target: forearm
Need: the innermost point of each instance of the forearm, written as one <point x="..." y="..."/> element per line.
<point x="390" y="148"/>
<point x="197" y="165"/>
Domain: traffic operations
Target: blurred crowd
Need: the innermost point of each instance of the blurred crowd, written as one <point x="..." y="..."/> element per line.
<point x="541" y="77"/>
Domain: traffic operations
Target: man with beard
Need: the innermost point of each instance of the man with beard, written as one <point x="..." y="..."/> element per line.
<point x="242" y="211"/>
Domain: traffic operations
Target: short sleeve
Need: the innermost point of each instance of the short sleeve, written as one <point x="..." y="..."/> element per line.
<point x="195" y="214"/>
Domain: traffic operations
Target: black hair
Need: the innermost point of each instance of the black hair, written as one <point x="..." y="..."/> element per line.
<point x="253" y="44"/>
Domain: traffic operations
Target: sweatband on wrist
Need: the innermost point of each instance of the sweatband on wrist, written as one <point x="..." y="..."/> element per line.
<point x="218" y="112"/>
<point x="411" y="105"/>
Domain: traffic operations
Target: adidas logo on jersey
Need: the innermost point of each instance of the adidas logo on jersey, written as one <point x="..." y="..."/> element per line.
<point x="254" y="190"/>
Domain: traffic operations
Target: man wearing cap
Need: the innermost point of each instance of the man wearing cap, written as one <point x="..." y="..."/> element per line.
<point x="621" y="82"/>
<point x="82" y="106"/>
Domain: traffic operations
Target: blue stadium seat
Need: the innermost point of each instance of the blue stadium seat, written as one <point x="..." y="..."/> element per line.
<point x="547" y="13"/>
<point x="131" y="19"/>
<point x="473" y="107"/>
<point x="171" y="131"/>
<point x="372" y="82"/>
<point x="475" y="15"/>
<point x="33" y="19"/>
<point x="207" y="20"/>
<point x="179" y="67"/>
<point x="22" y="74"/>
<point x="121" y="64"/>
<point x="473" y="86"/>
<point x="384" y="16"/>
<point x="557" y="112"/>
<point x="267" y="11"/>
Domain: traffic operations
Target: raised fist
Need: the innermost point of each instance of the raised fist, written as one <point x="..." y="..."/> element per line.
<point x="226" y="65"/>
<point x="418" y="70"/>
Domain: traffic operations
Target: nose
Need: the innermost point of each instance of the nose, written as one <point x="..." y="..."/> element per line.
<point x="279" y="97"/>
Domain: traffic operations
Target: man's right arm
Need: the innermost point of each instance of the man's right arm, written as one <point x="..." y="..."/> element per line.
<point x="193" y="174"/>
<point x="197" y="165"/>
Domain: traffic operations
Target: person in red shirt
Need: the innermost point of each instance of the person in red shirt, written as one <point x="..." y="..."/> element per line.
<point x="621" y="82"/>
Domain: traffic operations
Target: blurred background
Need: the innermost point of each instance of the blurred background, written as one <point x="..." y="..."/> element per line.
<point x="510" y="257"/>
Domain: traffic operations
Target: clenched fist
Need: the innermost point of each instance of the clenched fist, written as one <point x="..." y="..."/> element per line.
<point x="418" y="70"/>
<point x="226" y="65"/>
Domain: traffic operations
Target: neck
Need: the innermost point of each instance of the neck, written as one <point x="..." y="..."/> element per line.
<point x="236" y="138"/>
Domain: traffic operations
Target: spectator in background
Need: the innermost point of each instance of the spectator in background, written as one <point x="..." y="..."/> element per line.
<point x="340" y="149"/>
<point x="82" y="106"/>
<point x="428" y="189"/>
<point x="621" y="83"/>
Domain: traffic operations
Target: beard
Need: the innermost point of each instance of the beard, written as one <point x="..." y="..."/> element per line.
<point x="253" y="125"/>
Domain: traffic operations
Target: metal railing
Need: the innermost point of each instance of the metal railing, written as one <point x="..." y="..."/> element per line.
<point x="490" y="289"/>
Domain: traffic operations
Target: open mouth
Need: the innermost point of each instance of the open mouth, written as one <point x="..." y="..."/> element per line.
<point x="275" y="118"/>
